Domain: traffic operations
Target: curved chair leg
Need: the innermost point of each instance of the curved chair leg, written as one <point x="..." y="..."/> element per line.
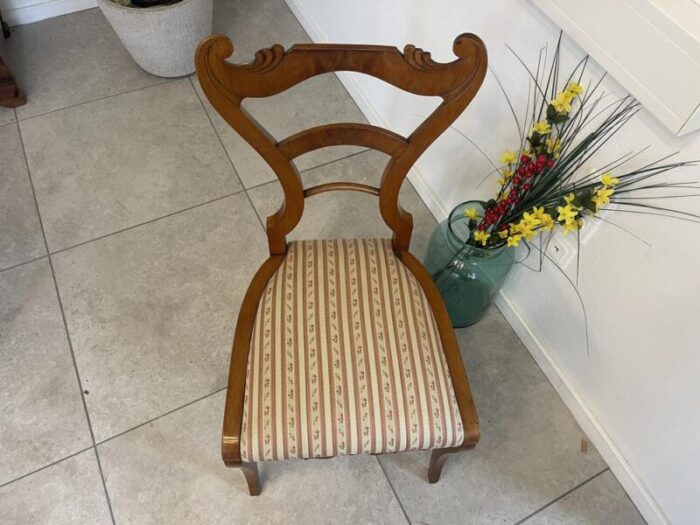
<point x="438" y="458"/>
<point x="250" y="471"/>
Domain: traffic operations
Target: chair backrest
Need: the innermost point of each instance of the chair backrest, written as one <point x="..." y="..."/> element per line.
<point x="274" y="70"/>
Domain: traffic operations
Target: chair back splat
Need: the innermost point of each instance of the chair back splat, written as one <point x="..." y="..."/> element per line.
<point x="275" y="70"/>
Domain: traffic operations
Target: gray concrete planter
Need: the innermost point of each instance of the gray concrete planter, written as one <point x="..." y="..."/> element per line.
<point x="161" y="40"/>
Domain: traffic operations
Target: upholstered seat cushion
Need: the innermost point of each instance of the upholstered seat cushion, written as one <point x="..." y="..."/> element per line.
<point x="345" y="358"/>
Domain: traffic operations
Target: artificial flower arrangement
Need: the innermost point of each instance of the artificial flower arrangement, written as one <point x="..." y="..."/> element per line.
<point x="542" y="186"/>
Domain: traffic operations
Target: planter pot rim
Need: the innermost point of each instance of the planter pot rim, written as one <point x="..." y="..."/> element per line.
<point x="145" y="10"/>
<point x="457" y="239"/>
<point x="162" y="40"/>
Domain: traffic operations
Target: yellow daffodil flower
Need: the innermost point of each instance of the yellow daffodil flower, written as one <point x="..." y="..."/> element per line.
<point x="531" y="219"/>
<point x="514" y="240"/>
<point x="542" y="127"/>
<point x="608" y="180"/>
<point x="471" y="213"/>
<point x="547" y="221"/>
<point x="481" y="236"/>
<point x="567" y="213"/>
<point x="526" y="228"/>
<point x="505" y="195"/>
<point x="503" y="234"/>
<point x="545" y="218"/>
<point x="507" y="173"/>
<point x="602" y="196"/>
<point x="500" y="182"/>
<point x="572" y="226"/>
<point x="562" y="103"/>
<point x="508" y="157"/>
<point x="569" y="198"/>
<point x="574" y="88"/>
<point x="528" y="225"/>
<point x="553" y="146"/>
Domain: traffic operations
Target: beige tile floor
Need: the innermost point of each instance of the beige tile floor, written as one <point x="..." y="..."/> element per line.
<point x="130" y="223"/>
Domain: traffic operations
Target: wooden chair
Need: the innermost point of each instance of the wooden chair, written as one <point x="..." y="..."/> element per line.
<point x="343" y="346"/>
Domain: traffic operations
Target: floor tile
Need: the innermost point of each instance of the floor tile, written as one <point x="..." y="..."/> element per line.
<point x="348" y="214"/>
<point x="598" y="502"/>
<point x="41" y="412"/>
<point x="20" y="234"/>
<point x="7" y="115"/>
<point x="151" y="310"/>
<point x="69" y="60"/>
<point x="170" y="471"/>
<point x="529" y="452"/>
<point x="69" y="492"/>
<point x="120" y="161"/>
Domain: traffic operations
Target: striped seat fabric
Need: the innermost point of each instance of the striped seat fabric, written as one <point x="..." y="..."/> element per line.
<point x="345" y="358"/>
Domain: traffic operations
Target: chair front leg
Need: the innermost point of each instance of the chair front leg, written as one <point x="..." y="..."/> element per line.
<point x="250" y="471"/>
<point x="438" y="457"/>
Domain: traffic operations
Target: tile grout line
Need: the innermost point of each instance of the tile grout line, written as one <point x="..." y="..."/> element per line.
<point x="122" y="230"/>
<point x="230" y="160"/>
<point x="167" y="81"/>
<point x="344" y="157"/>
<point x="156" y="418"/>
<point x="97" y="444"/>
<point x="65" y="326"/>
<point x="149" y="221"/>
<point x="48" y="465"/>
<point x="405" y="514"/>
<point x="560" y="497"/>
<point x="23" y="263"/>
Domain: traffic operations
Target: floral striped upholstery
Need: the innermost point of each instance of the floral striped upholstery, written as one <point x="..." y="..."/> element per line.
<point x="345" y="358"/>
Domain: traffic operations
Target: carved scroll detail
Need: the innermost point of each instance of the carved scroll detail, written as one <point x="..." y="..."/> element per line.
<point x="420" y="59"/>
<point x="265" y="59"/>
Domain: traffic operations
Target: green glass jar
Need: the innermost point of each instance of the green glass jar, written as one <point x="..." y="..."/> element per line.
<point x="467" y="277"/>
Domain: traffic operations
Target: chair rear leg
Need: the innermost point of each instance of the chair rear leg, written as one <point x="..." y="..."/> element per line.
<point x="438" y="457"/>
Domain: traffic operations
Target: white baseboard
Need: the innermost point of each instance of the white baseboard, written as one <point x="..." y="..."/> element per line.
<point x="582" y="414"/>
<point x="557" y="377"/>
<point x="43" y="9"/>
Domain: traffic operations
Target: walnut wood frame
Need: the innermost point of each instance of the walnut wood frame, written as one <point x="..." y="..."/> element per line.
<point x="275" y="70"/>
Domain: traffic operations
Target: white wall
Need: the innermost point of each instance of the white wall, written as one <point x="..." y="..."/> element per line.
<point x="637" y="392"/>
<point x="18" y="12"/>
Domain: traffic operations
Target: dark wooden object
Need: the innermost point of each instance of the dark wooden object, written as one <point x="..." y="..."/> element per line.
<point x="10" y="95"/>
<point x="275" y="70"/>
